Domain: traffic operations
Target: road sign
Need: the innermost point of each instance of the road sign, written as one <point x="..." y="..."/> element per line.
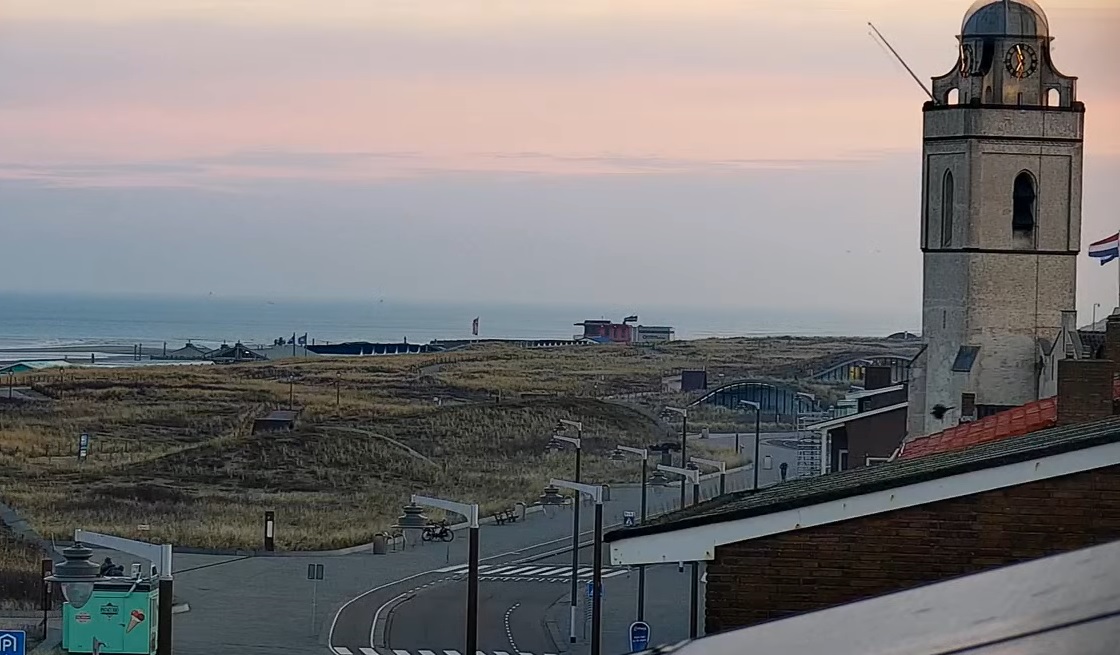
<point x="13" y="642"/>
<point x="83" y="451"/>
<point x="639" y="636"/>
<point x="314" y="571"/>
<point x="629" y="519"/>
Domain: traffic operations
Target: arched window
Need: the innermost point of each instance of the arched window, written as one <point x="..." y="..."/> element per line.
<point x="1053" y="98"/>
<point x="947" y="210"/>
<point x="953" y="97"/>
<point x="1023" y="199"/>
<point x="988" y="95"/>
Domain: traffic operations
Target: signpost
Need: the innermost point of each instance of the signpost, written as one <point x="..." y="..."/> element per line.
<point x="13" y="642"/>
<point x="315" y="574"/>
<point x="83" y="451"/>
<point x="639" y="636"/>
<point x="628" y="519"/>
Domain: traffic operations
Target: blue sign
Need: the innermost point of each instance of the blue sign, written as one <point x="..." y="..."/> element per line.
<point x="13" y="642"/>
<point x="590" y="588"/>
<point x="639" y="636"/>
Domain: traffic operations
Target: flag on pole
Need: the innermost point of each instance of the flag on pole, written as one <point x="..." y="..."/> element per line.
<point x="633" y="318"/>
<point x="474" y="326"/>
<point x="1106" y="249"/>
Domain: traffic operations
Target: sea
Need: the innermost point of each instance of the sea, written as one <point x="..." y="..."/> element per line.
<point x="39" y="326"/>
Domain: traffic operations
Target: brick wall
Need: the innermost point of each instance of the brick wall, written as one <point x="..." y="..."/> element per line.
<point x="1112" y="337"/>
<point x="1084" y="390"/>
<point x="812" y="569"/>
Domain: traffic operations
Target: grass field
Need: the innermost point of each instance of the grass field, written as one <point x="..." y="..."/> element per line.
<point x="172" y="446"/>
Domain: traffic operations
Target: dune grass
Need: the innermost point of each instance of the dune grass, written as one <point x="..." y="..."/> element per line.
<point x="172" y="446"/>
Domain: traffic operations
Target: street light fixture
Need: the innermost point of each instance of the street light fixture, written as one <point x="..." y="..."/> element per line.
<point x="692" y="475"/>
<point x="550" y="499"/>
<point x="470" y="511"/>
<point x="684" y="439"/>
<point x="76" y="575"/>
<point x="644" y="454"/>
<point x="716" y="464"/>
<point x="596" y="492"/>
<point x="757" y="436"/>
<point x="578" y="443"/>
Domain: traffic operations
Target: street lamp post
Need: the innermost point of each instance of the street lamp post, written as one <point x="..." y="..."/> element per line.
<point x="470" y="511"/>
<point x="1094" y="323"/>
<point x="684" y="440"/>
<point x="719" y="466"/>
<point x="757" y="436"/>
<point x="596" y="492"/>
<point x="692" y="475"/>
<point x="578" y="443"/>
<point x="644" y="454"/>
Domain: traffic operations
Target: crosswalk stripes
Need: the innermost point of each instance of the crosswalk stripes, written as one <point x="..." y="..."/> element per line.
<point x="342" y="650"/>
<point x="503" y="572"/>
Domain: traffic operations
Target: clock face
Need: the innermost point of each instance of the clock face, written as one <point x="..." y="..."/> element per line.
<point x="1022" y="61"/>
<point x="966" y="60"/>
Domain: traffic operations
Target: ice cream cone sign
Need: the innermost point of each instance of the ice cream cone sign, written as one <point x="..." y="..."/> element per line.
<point x="134" y="620"/>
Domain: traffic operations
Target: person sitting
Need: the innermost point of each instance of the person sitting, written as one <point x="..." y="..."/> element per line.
<point x="107" y="567"/>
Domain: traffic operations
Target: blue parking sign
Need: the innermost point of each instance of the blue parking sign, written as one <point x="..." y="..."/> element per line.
<point x="13" y="642"/>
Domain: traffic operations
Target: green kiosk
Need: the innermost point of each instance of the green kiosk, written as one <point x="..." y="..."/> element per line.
<point x="120" y="617"/>
<point x="114" y="613"/>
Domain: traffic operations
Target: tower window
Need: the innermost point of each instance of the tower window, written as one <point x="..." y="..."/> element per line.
<point x="947" y="210"/>
<point x="1053" y="98"/>
<point x="988" y="95"/>
<point x="1023" y="201"/>
<point x="953" y="97"/>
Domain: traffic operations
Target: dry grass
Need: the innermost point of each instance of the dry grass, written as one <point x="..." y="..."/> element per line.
<point x="172" y="446"/>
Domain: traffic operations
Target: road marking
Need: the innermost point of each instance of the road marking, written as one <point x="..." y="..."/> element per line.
<point x="614" y="573"/>
<point x="524" y="570"/>
<point x="368" y="651"/>
<point x="426" y="652"/>
<point x="500" y="652"/>
<point x="501" y="569"/>
<point x="450" y="652"/>
<point x="509" y="631"/>
<point x="583" y="572"/>
<point x="402" y="652"/>
<point x="342" y="650"/>
<point x="552" y="571"/>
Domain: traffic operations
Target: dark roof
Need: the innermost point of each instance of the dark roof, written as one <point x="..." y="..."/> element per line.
<point x="805" y="492"/>
<point x="1092" y="343"/>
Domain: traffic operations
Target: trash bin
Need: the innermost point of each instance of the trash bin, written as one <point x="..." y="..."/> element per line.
<point x="380" y="546"/>
<point x="519" y="511"/>
<point x="606" y="492"/>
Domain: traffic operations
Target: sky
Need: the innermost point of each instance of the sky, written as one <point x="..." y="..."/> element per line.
<point x="717" y="153"/>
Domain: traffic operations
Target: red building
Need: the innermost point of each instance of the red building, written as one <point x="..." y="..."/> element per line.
<point x="604" y="330"/>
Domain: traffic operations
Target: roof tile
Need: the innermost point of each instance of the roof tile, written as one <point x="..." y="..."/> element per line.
<point x="1016" y="422"/>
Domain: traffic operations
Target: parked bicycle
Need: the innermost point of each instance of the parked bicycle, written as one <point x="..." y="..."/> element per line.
<point x="437" y="532"/>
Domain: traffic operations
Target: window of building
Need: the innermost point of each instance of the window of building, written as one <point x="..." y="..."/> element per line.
<point x="947" y="210"/>
<point x="953" y="97"/>
<point x="872" y="461"/>
<point x="966" y="357"/>
<point x="1023" y="201"/>
<point x="1053" y="98"/>
<point x="842" y="461"/>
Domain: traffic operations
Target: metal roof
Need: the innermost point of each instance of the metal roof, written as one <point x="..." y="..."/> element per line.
<point x="851" y="418"/>
<point x="1065" y="604"/>
<point x="804" y="492"/>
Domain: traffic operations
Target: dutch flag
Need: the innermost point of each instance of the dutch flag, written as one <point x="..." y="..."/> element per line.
<point x="1106" y="249"/>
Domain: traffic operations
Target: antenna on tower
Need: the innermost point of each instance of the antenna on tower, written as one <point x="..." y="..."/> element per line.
<point x="902" y="61"/>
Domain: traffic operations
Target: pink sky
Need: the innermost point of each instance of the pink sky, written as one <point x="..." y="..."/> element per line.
<point x="460" y="133"/>
<point x="459" y="83"/>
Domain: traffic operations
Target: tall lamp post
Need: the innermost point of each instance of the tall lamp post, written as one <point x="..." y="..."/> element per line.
<point x="595" y="492"/>
<point x="684" y="440"/>
<point x="757" y="436"/>
<point x="471" y="513"/>
<point x="691" y="475"/>
<point x="1093" y="325"/>
<point x="644" y="454"/>
<point x="578" y="443"/>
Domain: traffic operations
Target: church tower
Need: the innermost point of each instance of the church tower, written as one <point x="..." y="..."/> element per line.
<point x="1001" y="217"/>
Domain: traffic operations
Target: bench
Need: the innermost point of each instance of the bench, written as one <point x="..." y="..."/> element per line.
<point x="503" y="515"/>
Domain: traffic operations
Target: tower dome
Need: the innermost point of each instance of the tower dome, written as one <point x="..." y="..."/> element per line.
<point x="1005" y="18"/>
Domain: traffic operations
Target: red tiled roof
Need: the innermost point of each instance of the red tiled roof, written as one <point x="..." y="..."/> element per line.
<point x="1016" y="422"/>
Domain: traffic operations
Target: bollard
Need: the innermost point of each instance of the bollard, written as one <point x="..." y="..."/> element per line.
<point x="606" y="492"/>
<point x="380" y="545"/>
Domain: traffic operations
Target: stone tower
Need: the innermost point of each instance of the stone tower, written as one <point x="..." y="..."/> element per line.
<point x="1001" y="217"/>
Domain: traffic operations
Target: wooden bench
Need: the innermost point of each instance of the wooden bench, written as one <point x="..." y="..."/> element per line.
<point x="501" y="516"/>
